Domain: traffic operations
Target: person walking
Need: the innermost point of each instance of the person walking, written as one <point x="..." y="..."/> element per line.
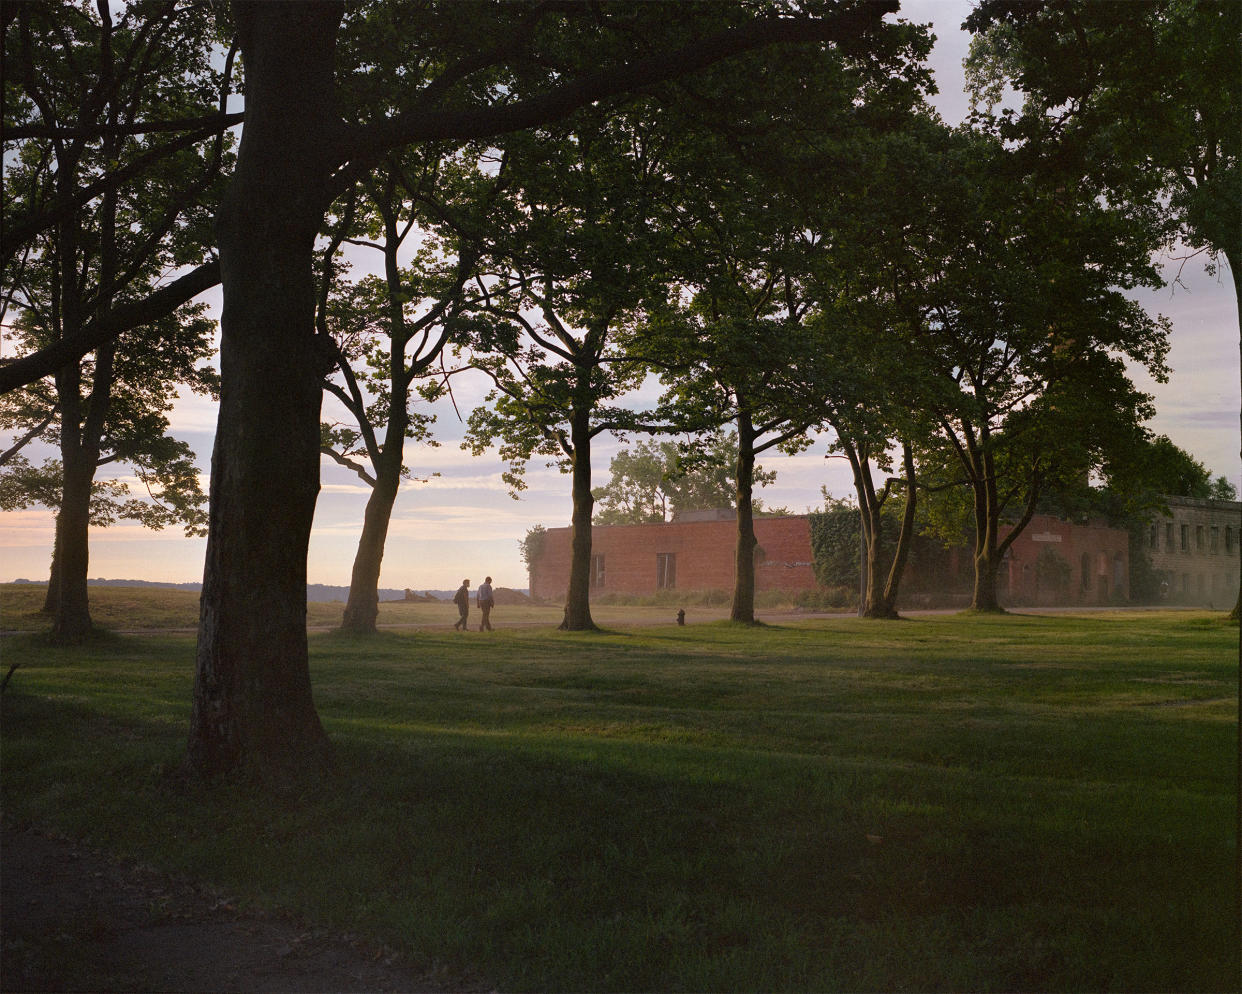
<point x="462" y="600"/>
<point x="486" y="602"/>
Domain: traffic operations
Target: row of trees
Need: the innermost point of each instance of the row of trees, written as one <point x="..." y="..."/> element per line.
<point x="571" y="200"/>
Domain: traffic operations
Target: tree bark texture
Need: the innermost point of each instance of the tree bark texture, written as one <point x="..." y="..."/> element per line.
<point x="578" y="597"/>
<point x="71" y="620"/>
<point x="743" y="607"/>
<point x="79" y="455"/>
<point x="987" y="527"/>
<point x="252" y="695"/>
<point x="892" y="585"/>
<point x="52" y="597"/>
<point x="362" y="606"/>
<point x="1234" y="258"/>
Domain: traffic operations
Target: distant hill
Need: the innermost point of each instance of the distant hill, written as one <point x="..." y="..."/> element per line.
<point x="315" y="592"/>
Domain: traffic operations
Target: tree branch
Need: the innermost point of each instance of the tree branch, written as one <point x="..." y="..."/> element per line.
<point x="16" y="373"/>
<point x="348" y="464"/>
<point x="213" y="123"/>
<point x="364" y="145"/>
<point x="30" y="436"/>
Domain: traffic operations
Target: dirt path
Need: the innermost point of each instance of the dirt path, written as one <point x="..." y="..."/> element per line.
<point x="74" y="919"/>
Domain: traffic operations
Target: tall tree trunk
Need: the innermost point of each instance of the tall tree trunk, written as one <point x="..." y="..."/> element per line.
<point x="870" y="510"/>
<point x="71" y="617"/>
<point x="578" y="596"/>
<point x="984" y="596"/>
<point x="743" y="607"/>
<point x="987" y="525"/>
<point x="905" y="538"/>
<point x="362" y="606"/>
<point x="877" y="598"/>
<point x="1234" y="258"/>
<point x="252" y="693"/>
<point x="52" y="598"/>
<point x="71" y="623"/>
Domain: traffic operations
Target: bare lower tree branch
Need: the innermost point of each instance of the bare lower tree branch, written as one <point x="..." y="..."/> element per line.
<point x="29" y="437"/>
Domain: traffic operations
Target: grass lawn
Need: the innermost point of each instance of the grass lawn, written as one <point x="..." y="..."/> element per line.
<point x="947" y="803"/>
<point x="130" y="608"/>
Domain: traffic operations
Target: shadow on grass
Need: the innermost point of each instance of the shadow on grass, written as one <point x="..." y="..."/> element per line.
<point x="568" y="862"/>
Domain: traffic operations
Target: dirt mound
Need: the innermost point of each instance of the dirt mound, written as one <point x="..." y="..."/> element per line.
<point x="414" y="597"/>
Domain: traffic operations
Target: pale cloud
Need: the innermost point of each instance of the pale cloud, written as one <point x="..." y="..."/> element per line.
<point x="345" y="488"/>
<point x="27" y="528"/>
<point x="193" y="413"/>
<point x="488" y="482"/>
<point x="126" y="532"/>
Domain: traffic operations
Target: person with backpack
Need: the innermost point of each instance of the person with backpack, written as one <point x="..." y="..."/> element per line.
<point x="486" y="602"/>
<point x="462" y="600"/>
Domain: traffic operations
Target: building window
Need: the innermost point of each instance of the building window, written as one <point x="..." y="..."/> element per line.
<point x="1229" y="539"/>
<point x="1198" y="538"/>
<point x="666" y="570"/>
<point x="1185" y="538"/>
<point x="1153" y="540"/>
<point x="1168" y="537"/>
<point x="1085" y="577"/>
<point x="1214" y="539"/>
<point x="597" y="571"/>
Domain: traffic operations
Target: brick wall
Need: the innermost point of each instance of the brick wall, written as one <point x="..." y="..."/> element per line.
<point x="1055" y="562"/>
<point x="702" y="551"/>
<point x="1052" y="562"/>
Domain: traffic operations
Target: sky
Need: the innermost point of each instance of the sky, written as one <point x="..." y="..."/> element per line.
<point x="463" y="523"/>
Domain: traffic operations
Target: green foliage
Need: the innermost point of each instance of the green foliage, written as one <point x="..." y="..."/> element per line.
<point x="532" y="545"/>
<point x="574" y="252"/>
<point x="1143" y="98"/>
<point x="653" y="480"/>
<point x="835" y="538"/>
<point x="1223" y="489"/>
<point x="106" y="216"/>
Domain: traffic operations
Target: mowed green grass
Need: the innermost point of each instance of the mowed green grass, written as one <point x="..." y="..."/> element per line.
<point x="144" y="608"/>
<point x="944" y="803"/>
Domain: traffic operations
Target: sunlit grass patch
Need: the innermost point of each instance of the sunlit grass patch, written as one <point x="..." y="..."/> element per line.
<point x="983" y="803"/>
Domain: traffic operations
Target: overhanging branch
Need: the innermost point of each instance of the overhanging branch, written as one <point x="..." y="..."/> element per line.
<point x="16" y="373"/>
<point x="362" y="146"/>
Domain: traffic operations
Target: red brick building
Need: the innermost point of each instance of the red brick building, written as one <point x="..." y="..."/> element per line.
<point x="1055" y="562"/>
<point x="1052" y="562"/>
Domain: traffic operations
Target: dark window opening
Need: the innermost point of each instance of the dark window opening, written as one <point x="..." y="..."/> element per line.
<point x="666" y="570"/>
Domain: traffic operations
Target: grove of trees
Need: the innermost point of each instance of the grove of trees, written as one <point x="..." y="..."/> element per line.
<point x="750" y="205"/>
